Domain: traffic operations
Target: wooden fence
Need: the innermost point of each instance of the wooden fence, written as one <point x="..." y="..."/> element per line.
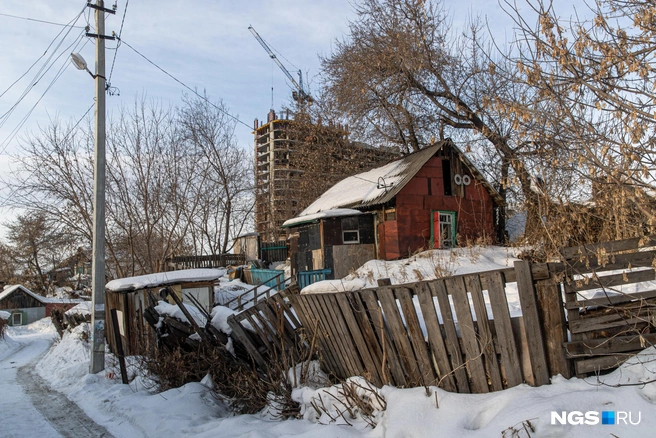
<point x="585" y="314"/>
<point x="611" y="312"/>
<point x="207" y="261"/>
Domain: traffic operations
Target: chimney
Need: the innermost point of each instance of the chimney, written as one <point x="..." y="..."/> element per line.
<point x="271" y="117"/>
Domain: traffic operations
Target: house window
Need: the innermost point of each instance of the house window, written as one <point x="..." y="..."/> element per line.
<point x="443" y="229"/>
<point x="350" y="230"/>
<point x="17" y="319"/>
<point x="351" y="236"/>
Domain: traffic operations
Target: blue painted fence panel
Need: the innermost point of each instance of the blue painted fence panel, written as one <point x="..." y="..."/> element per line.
<point x="267" y="276"/>
<point x="306" y="278"/>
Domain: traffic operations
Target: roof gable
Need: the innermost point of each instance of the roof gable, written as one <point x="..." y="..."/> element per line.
<point x="9" y="290"/>
<point x="382" y="184"/>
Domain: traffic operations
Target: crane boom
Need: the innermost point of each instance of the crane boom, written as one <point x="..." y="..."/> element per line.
<point x="302" y="95"/>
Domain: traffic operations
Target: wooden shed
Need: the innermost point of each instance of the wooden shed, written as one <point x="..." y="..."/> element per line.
<point x="434" y="198"/>
<point x="129" y="297"/>
<point x="27" y="307"/>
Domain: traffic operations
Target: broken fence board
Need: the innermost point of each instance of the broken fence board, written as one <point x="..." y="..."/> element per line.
<point x="438" y="289"/>
<point x="532" y="324"/>
<point x="435" y="339"/>
<point x="486" y="340"/>
<point x="399" y="335"/>
<point x="502" y="323"/>
<point x="413" y="328"/>
<point x="473" y="355"/>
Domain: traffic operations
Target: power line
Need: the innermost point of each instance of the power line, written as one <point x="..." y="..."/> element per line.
<point x="186" y="86"/>
<point x="40" y="21"/>
<point x="59" y="73"/>
<point x="120" y="33"/>
<point x="74" y="20"/>
<point x="13" y="192"/>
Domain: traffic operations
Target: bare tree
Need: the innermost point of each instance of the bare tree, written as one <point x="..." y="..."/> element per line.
<point x="227" y="171"/>
<point x="403" y="78"/>
<point x="37" y="245"/>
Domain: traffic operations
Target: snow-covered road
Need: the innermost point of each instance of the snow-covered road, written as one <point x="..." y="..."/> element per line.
<point x="29" y="406"/>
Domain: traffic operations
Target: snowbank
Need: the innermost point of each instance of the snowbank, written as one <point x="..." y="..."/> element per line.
<point x="427" y="265"/>
<point x="5" y="315"/>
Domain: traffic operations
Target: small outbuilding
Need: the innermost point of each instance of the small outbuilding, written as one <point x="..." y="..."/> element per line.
<point x="130" y="297"/>
<point x="27" y="307"/>
<point x="433" y="198"/>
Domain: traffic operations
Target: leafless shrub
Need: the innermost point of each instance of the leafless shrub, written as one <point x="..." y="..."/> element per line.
<point x="519" y="430"/>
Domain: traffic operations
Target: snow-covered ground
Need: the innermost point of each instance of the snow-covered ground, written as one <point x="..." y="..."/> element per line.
<point x="134" y="411"/>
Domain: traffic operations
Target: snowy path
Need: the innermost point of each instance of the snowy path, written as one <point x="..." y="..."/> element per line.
<point x="29" y="406"/>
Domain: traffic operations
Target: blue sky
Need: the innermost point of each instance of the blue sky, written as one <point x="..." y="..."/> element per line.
<point x="204" y="43"/>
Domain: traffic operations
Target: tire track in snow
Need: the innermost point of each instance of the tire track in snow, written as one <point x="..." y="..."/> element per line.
<point x="64" y="415"/>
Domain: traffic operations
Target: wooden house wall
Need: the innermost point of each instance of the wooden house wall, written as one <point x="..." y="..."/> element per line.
<point x="472" y="204"/>
<point x="20" y="300"/>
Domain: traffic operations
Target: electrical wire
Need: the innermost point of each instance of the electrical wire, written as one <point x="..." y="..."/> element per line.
<point x="74" y="20"/>
<point x="186" y="86"/>
<point x="59" y="73"/>
<point x="120" y="33"/>
<point x="70" y="131"/>
<point x="40" y="21"/>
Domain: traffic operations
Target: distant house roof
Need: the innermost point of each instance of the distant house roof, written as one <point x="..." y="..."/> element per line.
<point x="164" y="279"/>
<point x="8" y="290"/>
<point x="382" y="184"/>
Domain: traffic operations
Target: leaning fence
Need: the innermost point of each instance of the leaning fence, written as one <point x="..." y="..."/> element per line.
<point x="585" y="314"/>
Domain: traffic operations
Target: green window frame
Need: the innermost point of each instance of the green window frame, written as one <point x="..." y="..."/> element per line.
<point x="446" y="222"/>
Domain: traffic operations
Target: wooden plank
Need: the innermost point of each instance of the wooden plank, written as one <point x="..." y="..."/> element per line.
<point x="389" y="353"/>
<point x="473" y="355"/>
<point x="435" y="339"/>
<point x="502" y="324"/>
<point x="522" y="348"/>
<point x="554" y="327"/>
<point x="603" y="346"/>
<point x="356" y="334"/>
<point x="611" y="262"/>
<point x="618" y="318"/>
<point x="372" y="344"/>
<point x="399" y="335"/>
<point x="280" y="302"/>
<point x="438" y="289"/>
<point x="351" y="350"/>
<point x="532" y="322"/>
<point x="261" y="330"/>
<point x="608" y="247"/>
<point x="350" y="367"/>
<point x="308" y="318"/>
<point x="334" y="347"/>
<point x="485" y="338"/>
<point x="607" y="281"/>
<point x="428" y="375"/>
<point x="239" y="333"/>
<point x="611" y="299"/>
<point x="596" y="364"/>
<point x="279" y="324"/>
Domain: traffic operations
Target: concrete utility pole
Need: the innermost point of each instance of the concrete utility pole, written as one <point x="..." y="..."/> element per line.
<point x="98" y="287"/>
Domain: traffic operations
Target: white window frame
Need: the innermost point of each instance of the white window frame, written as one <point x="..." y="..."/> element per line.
<point x="351" y="242"/>
<point x="13" y="318"/>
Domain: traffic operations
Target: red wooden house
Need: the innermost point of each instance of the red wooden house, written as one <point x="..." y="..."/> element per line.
<point x="433" y="198"/>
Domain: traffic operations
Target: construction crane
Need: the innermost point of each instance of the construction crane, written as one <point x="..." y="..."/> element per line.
<point x="300" y="95"/>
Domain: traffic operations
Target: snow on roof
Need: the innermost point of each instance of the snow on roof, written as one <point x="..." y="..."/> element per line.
<point x="8" y="290"/>
<point x="380" y="185"/>
<point x="5" y="315"/>
<point x="164" y="279"/>
<point x="321" y="215"/>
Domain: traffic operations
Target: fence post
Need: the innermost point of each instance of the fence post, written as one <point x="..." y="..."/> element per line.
<point x="532" y="324"/>
<point x="554" y="326"/>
